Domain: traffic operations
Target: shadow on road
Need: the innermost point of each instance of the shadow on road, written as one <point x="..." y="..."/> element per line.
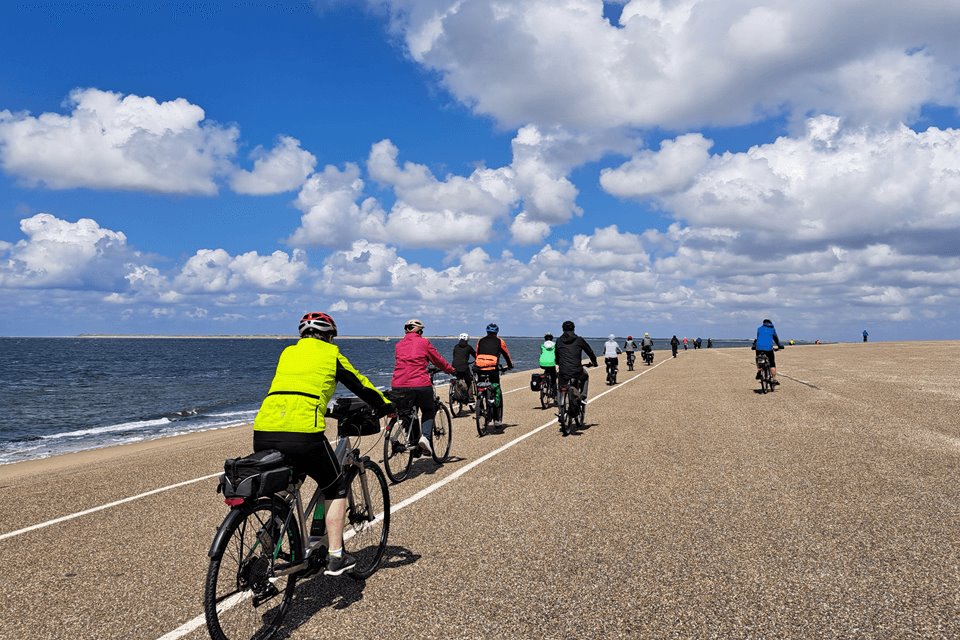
<point x="338" y="592"/>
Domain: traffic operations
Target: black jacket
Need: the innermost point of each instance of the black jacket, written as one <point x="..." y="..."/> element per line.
<point x="461" y="356"/>
<point x="570" y="350"/>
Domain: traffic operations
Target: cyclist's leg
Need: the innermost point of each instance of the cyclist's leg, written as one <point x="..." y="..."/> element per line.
<point x="773" y="366"/>
<point x="428" y="410"/>
<point x="584" y="378"/>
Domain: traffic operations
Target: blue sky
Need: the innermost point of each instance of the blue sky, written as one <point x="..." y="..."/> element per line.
<point x="685" y="167"/>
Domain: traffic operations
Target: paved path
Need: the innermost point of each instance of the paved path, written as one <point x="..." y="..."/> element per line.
<point x="692" y="507"/>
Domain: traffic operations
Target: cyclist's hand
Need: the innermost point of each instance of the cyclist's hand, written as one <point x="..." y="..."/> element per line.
<point x="389" y="409"/>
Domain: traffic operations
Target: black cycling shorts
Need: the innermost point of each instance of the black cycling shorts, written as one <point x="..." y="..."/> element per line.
<point x="308" y="453"/>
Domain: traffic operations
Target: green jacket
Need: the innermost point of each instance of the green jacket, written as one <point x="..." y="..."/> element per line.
<point x="307" y="375"/>
<point x="548" y="354"/>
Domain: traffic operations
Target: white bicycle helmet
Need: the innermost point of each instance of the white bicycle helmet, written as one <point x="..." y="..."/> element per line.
<point x="412" y="325"/>
<point x="464" y="336"/>
<point x="317" y="322"/>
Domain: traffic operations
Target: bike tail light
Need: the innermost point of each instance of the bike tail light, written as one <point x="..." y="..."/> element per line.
<point x="233" y="502"/>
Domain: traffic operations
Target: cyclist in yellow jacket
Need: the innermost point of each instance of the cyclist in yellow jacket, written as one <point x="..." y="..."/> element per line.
<point x="291" y="419"/>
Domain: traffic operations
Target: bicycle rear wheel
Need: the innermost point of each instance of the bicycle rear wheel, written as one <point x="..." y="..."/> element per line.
<point x="544" y="395"/>
<point x="563" y="417"/>
<point x="479" y="414"/>
<point x="454" y="399"/>
<point x="368" y="520"/>
<point x="397" y="456"/>
<point x="442" y="436"/>
<point x="242" y="598"/>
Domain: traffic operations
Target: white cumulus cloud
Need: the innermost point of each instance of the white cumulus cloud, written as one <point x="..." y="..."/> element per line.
<point x="111" y="141"/>
<point x="283" y="168"/>
<point x="684" y="63"/>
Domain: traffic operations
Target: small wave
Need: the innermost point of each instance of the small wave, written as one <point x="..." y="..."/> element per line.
<point x="125" y="426"/>
<point x="185" y="413"/>
<point x="248" y="412"/>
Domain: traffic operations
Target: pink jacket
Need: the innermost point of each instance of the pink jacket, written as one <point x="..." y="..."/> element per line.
<point x="413" y="353"/>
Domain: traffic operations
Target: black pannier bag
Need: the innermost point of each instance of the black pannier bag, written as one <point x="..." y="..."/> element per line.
<point x="536" y="379"/>
<point x="260" y="474"/>
<point x="354" y="418"/>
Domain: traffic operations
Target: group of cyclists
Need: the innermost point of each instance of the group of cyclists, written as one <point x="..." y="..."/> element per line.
<point x="291" y="417"/>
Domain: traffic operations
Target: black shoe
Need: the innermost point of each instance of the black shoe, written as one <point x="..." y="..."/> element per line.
<point x="336" y="566"/>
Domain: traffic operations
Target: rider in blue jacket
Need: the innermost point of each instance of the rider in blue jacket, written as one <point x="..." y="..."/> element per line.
<point x="766" y="337"/>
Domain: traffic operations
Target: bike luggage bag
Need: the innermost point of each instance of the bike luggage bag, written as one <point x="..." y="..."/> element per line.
<point x="536" y="379"/>
<point x="260" y="474"/>
<point x="354" y="418"/>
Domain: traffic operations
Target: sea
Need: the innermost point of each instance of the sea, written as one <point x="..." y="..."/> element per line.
<point x="60" y="395"/>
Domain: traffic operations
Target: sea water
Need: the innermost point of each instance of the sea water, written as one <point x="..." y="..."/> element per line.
<point x="59" y="395"/>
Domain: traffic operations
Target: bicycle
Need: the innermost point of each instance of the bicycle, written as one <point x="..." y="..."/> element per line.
<point x="767" y="383"/>
<point x="548" y="391"/>
<point x="571" y="408"/>
<point x="631" y="358"/>
<point x="611" y="370"/>
<point x="648" y="356"/>
<point x="486" y="411"/>
<point x="263" y="547"/>
<point x="399" y="448"/>
<point x="766" y="378"/>
<point x="460" y="393"/>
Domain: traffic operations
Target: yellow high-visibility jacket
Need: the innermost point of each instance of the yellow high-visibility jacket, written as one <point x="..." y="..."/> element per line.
<point x="307" y="375"/>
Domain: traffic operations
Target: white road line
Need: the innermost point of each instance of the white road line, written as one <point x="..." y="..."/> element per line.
<point x="41" y="525"/>
<point x="200" y="620"/>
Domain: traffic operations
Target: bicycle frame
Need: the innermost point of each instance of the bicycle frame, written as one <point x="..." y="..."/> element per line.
<point x="348" y="461"/>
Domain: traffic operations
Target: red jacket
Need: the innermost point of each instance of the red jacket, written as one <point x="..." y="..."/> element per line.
<point x="414" y="352"/>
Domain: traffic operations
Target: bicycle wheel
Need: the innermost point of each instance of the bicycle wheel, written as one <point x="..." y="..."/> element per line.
<point x="397" y="456"/>
<point x="442" y="436"/>
<point x="368" y="520"/>
<point x="544" y="395"/>
<point x="562" y="415"/>
<point x="479" y="413"/>
<point x="453" y="399"/>
<point x="242" y="598"/>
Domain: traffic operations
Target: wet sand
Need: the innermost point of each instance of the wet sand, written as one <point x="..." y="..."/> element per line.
<point x="691" y="507"/>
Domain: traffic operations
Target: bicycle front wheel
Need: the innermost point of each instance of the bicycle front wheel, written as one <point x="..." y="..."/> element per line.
<point x="368" y="519"/>
<point x="242" y="596"/>
<point x="442" y="436"/>
<point x="397" y="456"/>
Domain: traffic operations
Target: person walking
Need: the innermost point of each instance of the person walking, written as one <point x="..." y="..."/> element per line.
<point x="674" y="345"/>
<point x="865" y="334"/>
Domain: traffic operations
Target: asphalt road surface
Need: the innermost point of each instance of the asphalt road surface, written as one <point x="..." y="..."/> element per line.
<point x="690" y="507"/>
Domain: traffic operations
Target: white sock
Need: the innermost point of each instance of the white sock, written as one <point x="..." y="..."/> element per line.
<point x="336" y="553"/>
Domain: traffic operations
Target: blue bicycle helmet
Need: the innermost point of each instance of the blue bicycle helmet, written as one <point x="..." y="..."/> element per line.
<point x="493" y="328"/>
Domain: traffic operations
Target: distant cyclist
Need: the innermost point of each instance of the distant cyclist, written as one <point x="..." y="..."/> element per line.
<point x="489" y="350"/>
<point x="630" y="347"/>
<point x="674" y="345"/>
<point x="646" y="343"/>
<point x="291" y="419"/>
<point x="462" y="352"/>
<point x="570" y="351"/>
<point x="548" y="359"/>
<point x="413" y="354"/>
<point x="611" y="351"/>
<point x="766" y="337"/>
